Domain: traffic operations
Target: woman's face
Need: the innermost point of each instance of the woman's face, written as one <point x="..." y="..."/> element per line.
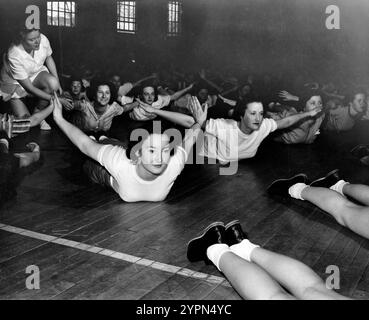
<point x="31" y="40"/>
<point x="313" y="102"/>
<point x="203" y="95"/>
<point x="155" y="153"/>
<point x="76" y="87"/>
<point x="359" y="102"/>
<point x="245" y="90"/>
<point x="253" y="116"/>
<point x="148" y="94"/>
<point x="103" y="95"/>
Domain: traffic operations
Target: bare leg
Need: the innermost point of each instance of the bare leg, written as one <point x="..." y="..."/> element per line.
<point x="297" y="277"/>
<point x="249" y="280"/>
<point x="18" y="108"/>
<point x="27" y="158"/>
<point x="359" y="192"/>
<point x="344" y="211"/>
<point x="48" y="83"/>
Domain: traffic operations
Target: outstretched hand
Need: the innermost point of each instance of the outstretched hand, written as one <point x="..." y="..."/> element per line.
<point x="286" y="96"/>
<point x="197" y="112"/>
<point x="146" y="107"/>
<point x="314" y="112"/>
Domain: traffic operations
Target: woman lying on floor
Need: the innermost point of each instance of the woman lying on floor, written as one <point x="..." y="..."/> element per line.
<point x="256" y="273"/>
<point x="330" y="194"/>
<point x="146" y="172"/>
<point x="306" y="130"/>
<point x="229" y="140"/>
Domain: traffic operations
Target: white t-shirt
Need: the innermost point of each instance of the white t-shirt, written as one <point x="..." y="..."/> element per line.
<point x="126" y="182"/>
<point x="226" y="142"/>
<point x="18" y="64"/>
<point x="141" y="115"/>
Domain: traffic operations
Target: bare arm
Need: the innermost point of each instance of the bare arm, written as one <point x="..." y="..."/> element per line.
<point x="291" y="120"/>
<point x="202" y="75"/>
<point x="50" y="64"/>
<point x="138" y="82"/>
<point x="179" y="93"/>
<point x="228" y="101"/>
<point x="86" y="145"/>
<point x="29" y="87"/>
<point x="37" y="117"/>
<point x="175" y="117"/>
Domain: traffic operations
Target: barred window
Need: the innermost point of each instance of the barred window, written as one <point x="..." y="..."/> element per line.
<point x="174" y="18"/>
<point x="61" y="13"/>
<point x="126" y="12"/>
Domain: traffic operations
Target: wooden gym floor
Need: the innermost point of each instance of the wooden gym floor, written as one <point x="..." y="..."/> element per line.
<point x="89" y="244"/>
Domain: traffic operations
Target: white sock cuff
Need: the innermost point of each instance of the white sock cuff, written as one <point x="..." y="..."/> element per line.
<point x="215" y="251"/>
<point x="338" y="186"/>
<point x="4" y="141"/>
<point x="244" y="249"/>
<point x="295" y="190"/>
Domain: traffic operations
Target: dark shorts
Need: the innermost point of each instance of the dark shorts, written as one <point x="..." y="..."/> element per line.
<point x="95" y="171"/>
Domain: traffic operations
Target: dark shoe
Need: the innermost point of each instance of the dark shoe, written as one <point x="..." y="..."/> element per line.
<point x="234" y="233"/>
<point x="329" y="180"/>
<point x="280" y="187"/>
<point x="196" y="248"/>
<point x="360" y="151"/>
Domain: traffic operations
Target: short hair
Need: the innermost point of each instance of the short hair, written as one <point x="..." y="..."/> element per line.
<point x="113" y="91"/>
<point x="151" y="86"/>
<point x="241" y="107"/>
<point x="150" y="129"/>
<point x="22" y="32"/>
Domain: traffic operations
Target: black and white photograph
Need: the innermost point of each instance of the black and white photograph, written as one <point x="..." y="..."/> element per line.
<point x="205" y="151"/>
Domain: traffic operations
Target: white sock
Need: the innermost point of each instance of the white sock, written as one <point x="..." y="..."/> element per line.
<point x="215" y="251"/>
<point x="4" y="141"/>
<point x="339" y="186"/>
<point x="244" y="249"/>
<point x="295" y="190"/>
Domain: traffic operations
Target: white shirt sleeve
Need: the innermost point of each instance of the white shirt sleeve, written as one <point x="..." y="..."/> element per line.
<point x="46" y="45"/>
<point x="179" y="159"/>
<point x="271" y="124"/>
<point x="112" y="157"/>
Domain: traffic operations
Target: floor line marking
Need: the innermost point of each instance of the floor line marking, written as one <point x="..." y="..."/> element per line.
<point x="185" y="272"/>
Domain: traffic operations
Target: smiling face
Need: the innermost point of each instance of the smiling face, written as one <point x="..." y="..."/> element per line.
<point x="313" y="102"/>
<point x="253" y="117"/>
<point x="155" y="153"/>
<point x="358" y="103"/>
<point x="31" y="40"/>
<point x="103" y="95"/>
<point x="148" y="94"/>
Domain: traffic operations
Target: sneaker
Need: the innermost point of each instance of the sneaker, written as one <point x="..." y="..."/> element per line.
<point x="197" y="247"/>
<point x="360" y="151"/>
<point x="234" y="233"/>
<point x="330" y="179"/>
<point x="44" y="125"/>
<point x="101" y="138"/>
<point x="280" y="187"/>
